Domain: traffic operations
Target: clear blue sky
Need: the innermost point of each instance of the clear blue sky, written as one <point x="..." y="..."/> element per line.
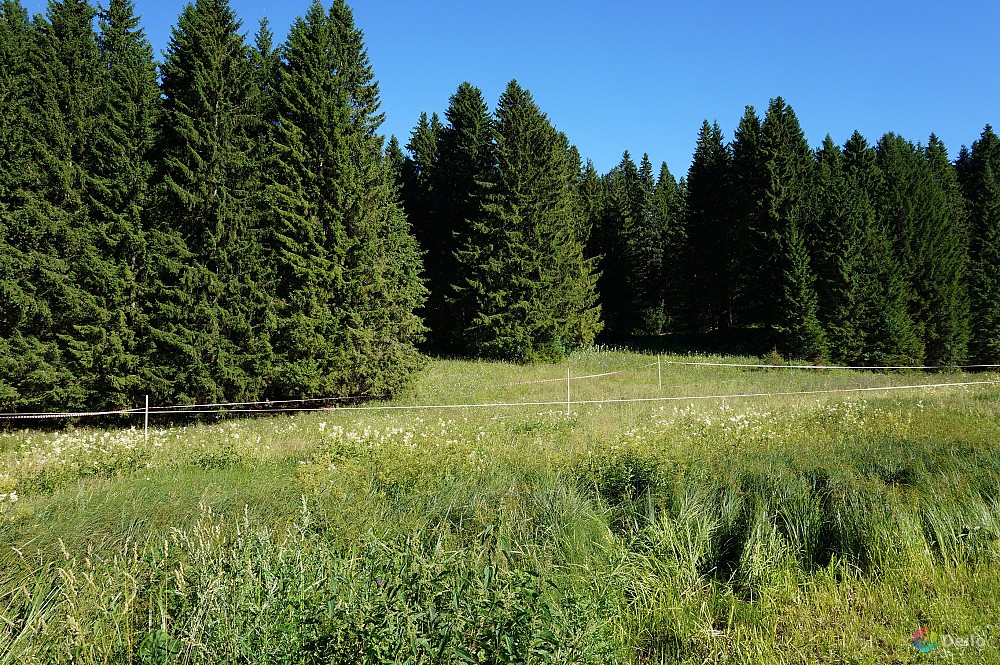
<point x="641" y="76"/>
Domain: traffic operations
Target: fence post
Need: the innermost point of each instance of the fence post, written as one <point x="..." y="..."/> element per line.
<point x="568" y="402"/>
<point x="147" y="420"/>
<point x="659" y="372"/>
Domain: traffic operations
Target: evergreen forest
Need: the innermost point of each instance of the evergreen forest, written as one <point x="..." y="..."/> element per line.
<point x="229" y="225"/>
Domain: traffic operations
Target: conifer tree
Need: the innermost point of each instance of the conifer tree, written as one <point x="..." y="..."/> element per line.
<point x="49" y="226"/>
<point x="708" y="248"/>
<point x="667" y="213"/>
<point x="591" y="196"/>
<point x="20" y="306"/>
<point x="627" y="262"/>
<point x="461" y="180"/>
<point x="117" y="192"/>
<point x="929" y="246"/>
<point x="880" y="304"/>
<point x="347" y="265"/>
<point x="785" y="268"/>
<point x="981" y="181"/>
<point x="209" y="337"/>
<point x="532" y="291"/>
<point x="750" y="229"/>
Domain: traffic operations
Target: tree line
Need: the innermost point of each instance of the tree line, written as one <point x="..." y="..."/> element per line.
<point x="223" y="227"/>
<point x="228" y="225"/>
<point x="861" y="254"/>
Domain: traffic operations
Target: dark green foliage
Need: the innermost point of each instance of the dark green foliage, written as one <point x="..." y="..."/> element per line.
<point x="632" y="265"/>
<point x="209" y="336"/>
<point x="750" y="228"/>
<point x="19" y="305"/>
<point x="346" y="267"/>
<point x="918" y="210"/>
<point x="784" y="264"/>
<point x="981" y="182"/>
<point x="117" y="191"/>
<point x="802" y="334"/>
<point x="462" y="180"/>
<point x="531" y="292"/>
<point x="708" y="251"/>
<point x="876" y="301"/>
<point x="60" y="348"/>
<point x="668" y="219"/>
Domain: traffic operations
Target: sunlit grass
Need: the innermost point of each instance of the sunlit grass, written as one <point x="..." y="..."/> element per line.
<point x="792" y="528"/>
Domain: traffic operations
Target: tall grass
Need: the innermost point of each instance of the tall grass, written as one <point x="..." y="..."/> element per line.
<point x="785" y="529"/>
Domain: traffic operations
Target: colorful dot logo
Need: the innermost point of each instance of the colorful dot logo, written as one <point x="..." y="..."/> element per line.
<point x="924" y="640"/>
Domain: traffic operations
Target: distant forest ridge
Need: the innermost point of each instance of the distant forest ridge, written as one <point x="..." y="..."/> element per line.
<point x="229" y="225"/>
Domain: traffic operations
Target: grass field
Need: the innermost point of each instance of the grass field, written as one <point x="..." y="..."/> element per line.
<point x="787" y="529"/>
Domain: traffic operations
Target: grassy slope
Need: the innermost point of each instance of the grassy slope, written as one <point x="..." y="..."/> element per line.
<point x="785" y="529"/>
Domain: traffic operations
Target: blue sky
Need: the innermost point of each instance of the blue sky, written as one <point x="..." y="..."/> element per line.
<point x="641" y="76"/>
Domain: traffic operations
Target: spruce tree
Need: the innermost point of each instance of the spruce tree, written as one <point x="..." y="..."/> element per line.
<point x="750" y="229"/>
<point x="981" y="182"/>
<point x="19" y="304"/>
<point x="461" y="181"/>
<point x="347" y="267"/>
<point x="49" y="224"/>
<point x="624" y="268"/>
<point x="208" y="337"/>
<point x="929" y="245"/>
<point x="667" y="213"/>
<point x="881" y="294"/>
<point x="117" y="193"/>
<point x="707" y="254"/>
<point x="531" y="290"/>
<point x="785" y="268"/>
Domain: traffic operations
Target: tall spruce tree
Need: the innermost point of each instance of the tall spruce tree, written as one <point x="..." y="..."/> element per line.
<point x="981" y="181"/>
<point x="347" y="266"/>
<point x="20" y="305"/>
<point x="461" y="181"/>
<point x="209" y="336"/>
<point x="750" y="228"/>
<point x="667" y="213"/>
<point x="626" y="267"/>
<point x="918" y="210"/>
<point x="531" y="290"/>
<point x="785" y="263"/>
<point x="707" y="254"/>
<point x="49" y="224"/>
<point x="881" y="300"/>
<point x="117" y="193"/>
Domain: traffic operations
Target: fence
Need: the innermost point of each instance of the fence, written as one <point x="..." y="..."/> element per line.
<point x="301" y="405"/>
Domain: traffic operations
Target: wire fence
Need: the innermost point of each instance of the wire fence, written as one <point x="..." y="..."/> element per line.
<point x="349" y="403"/>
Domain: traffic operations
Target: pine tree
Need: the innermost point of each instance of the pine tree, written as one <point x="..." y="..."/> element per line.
<point x="880" y="304"/>
<point x="20" y="306"/>
<point x="668" y="213"/>
<point x="785" y="266"/>
<point x="981" y="182"/>
<point x="750" y="229"/>
<point x="929" y="246"/>
<point x="116" y="188"/>
<point x="209" y="337"/>
<point x="707" y="254"/>
<point x="532" y="291"/>
<point x="461" y="181"/>
<point x="347" y="267"/>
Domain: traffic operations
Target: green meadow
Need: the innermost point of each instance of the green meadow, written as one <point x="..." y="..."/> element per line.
<point x="792" y="528"/>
